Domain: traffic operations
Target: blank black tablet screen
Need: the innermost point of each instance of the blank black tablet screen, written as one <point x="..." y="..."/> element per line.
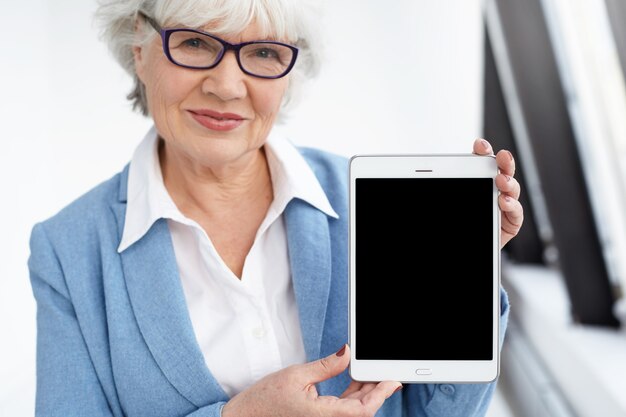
<point x="424" y="268"/>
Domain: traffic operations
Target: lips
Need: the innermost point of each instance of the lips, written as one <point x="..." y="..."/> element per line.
<point x="214" y="120"/>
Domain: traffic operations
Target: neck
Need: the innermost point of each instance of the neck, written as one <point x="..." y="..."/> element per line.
<point x="216" y="191"/>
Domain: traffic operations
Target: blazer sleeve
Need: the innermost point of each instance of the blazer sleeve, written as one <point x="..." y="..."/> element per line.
<point x="455" y="400"/>
<point x="67" y="382"/>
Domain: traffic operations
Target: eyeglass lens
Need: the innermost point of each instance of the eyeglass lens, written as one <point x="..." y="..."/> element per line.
<point x="193" y="49"/>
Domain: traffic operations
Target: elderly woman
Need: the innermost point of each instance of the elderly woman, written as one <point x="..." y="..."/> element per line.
<point x="188" y="284"/>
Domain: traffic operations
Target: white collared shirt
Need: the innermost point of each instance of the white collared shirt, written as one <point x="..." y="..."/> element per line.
<point x="245" y="328"/>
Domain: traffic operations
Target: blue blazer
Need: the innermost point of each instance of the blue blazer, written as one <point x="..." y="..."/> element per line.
<point x="114" y="337"/>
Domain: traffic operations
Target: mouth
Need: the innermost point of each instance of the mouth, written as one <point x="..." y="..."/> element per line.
<point x="217" y="121"/>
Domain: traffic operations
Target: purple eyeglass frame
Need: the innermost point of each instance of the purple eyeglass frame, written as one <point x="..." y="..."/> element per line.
<point x="227" y="46"/>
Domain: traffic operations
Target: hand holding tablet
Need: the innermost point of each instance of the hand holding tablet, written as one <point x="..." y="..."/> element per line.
<point x="424" y="268"/>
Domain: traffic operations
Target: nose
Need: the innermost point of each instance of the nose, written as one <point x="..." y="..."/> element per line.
<point x="226" y="80"/>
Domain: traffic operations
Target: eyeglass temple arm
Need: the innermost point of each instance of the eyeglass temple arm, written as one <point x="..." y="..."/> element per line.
<point x="150" y="20"/>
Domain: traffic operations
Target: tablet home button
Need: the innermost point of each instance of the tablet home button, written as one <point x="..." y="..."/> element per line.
<point x="424" y="371"/>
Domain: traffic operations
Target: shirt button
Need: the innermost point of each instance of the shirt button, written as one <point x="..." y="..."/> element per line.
<point x="258" y="332"/>
<point x="447" y="389"/>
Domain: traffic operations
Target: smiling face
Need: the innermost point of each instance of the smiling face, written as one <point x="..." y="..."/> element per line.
<point x="213" y="118"/>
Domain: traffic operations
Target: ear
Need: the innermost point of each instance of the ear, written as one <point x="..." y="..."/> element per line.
<point x="138" y="51"/>
<point x="139" y="62"/>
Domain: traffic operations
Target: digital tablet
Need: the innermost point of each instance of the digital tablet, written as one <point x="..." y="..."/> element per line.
<point x="424" y="268"/>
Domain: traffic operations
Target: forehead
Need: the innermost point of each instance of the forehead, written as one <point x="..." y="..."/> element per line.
<point x="253" y="31"/>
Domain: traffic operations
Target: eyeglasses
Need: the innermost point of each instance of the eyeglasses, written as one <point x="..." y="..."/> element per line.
<point x="195" y="49"/>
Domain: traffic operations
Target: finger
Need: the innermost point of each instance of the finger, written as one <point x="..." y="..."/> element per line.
<point x="353" y="387"/>
<point x="512" y="214"/>
<point x="368" y="405"/>
<point x="508" y="185"/>
<point x="325" y="368"/>
<point x="366" y="388"/>
<point x="506" y="162"/>
<point x="482" y="147"/>
<point x="376" y="397"/>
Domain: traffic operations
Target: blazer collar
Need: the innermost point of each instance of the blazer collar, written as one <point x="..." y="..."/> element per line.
<point x="158" y="301"/>
<point x="308" y="241"/>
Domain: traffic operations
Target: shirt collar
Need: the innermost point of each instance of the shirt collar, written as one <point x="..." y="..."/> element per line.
<point x="292" y="177"/>
<point x="148" y="199"/>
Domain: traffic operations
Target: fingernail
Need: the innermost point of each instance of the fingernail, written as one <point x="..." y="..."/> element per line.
<point x="510" y="155"/>
<point x="398" y="389"/>
<point x="485" y="144"/>
<point x="508" y="198"/>
<point x="341" y="351"/>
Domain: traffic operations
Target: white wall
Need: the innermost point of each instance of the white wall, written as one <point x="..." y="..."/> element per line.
<point x="66" y="125"/>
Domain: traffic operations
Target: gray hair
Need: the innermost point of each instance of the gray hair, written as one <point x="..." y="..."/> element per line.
<point x="293" y="21"/>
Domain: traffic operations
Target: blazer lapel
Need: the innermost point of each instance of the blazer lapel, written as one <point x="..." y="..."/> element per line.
<point x="158" y="301"/>
<point x="309" y="252"/>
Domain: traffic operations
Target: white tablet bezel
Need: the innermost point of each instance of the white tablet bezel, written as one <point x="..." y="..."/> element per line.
<point x="425" y="166"/>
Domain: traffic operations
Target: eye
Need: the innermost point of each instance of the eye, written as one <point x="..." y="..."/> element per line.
<point x="266" y="53"/>
<point x="194" y="43"/>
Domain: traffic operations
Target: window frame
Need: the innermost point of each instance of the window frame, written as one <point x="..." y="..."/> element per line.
<point x="543" y="132"/>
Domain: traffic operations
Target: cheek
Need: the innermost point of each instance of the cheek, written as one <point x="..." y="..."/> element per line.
<point x="165" y="90"/>
<point x="166" y="85"/>
<point x="268" y="100"/>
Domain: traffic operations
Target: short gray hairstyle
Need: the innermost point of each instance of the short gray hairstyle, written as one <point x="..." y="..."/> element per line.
<point x="293" y="21"/>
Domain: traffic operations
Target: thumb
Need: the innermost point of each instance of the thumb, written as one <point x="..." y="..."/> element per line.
<point x="328" y="367"/>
